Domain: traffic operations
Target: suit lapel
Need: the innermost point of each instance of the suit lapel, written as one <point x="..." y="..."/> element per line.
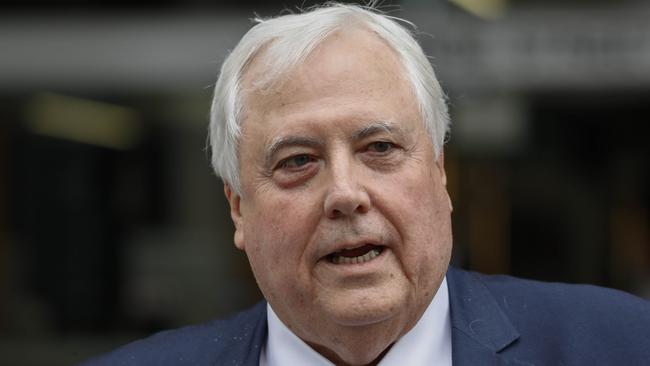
<point x="480" y="329"/>
<point x="246" y="337"/>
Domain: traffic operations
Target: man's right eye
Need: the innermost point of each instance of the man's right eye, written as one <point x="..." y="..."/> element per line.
<point x="296" y="161"/>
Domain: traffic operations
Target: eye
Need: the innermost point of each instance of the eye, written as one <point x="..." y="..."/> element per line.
<point x="296" y="161"/>
<point x="380" y="146"/>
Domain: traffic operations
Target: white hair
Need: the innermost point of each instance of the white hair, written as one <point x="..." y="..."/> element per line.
<point x="286" y="41"/>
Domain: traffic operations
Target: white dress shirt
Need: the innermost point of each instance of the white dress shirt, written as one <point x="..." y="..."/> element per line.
<point x="428" y="343"/>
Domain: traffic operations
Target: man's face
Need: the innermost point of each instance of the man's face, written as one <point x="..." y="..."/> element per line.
<point x="344" y="215"/>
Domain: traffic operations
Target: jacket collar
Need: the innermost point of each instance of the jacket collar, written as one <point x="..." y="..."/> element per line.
<point x="480" y="329"/>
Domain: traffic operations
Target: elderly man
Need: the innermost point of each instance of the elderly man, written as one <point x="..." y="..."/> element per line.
<point x="327" y="129"/>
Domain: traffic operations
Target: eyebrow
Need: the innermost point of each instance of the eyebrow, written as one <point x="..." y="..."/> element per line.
<point x="375" y="128"/>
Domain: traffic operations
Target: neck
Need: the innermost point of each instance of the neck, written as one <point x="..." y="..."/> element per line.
<point x="360" y="345"/>
<point x="335" y="359"/>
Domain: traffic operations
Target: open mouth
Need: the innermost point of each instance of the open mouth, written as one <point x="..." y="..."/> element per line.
<point x="362" y="254"/>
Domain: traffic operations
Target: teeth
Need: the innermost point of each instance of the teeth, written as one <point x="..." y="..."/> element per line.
<point x="339" y="259"/>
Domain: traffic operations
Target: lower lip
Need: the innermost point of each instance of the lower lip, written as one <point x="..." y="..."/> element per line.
<point x="358" y="267"/>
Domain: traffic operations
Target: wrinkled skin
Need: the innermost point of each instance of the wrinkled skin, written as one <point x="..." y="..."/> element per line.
<point x="334" y="157"/>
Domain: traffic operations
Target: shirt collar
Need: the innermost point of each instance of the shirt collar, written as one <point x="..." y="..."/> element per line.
<point x="428" y="343"/>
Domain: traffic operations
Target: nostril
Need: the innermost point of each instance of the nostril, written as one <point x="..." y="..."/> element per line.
<point x="363" y="208"/>
<point x="347" y="210"/>
<point x="336" y="214"/>
<point x="346" y="202"/>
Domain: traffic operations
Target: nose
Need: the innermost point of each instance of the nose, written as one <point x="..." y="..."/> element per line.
<point x="346" y="195"/>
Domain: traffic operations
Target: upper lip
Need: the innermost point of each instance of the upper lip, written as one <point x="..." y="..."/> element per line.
<point x="350" y="244"/>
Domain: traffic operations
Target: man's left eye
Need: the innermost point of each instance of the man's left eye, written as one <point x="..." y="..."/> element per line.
<point x="380" y="146"/>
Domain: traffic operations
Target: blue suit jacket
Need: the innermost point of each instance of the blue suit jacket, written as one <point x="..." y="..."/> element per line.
<point x="496" y="320"/>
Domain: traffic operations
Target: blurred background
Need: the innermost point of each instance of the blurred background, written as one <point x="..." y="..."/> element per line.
<point x="113" y="226"/>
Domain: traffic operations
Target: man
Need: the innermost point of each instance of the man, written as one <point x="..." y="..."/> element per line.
<point x="327" y="129"/>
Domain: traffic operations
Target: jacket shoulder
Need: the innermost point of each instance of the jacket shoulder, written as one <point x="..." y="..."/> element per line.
<point x="234" y="341"/>
<point x="566" y="301"/>
<point x="579" y="324"/>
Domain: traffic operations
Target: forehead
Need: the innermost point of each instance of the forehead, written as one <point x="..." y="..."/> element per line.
<point x="339" y="57"/>
<point x="352" y="76"/>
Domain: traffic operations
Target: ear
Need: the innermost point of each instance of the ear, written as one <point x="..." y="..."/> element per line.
<point x="440" y="164"/>
<point x="234" y="200"/>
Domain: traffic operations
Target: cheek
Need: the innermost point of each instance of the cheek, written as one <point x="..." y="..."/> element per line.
<point x="267" y="239"/>
<point x="424" y="221"/>
<point x="268" y="254"/>
<point x="277" y="232"/>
